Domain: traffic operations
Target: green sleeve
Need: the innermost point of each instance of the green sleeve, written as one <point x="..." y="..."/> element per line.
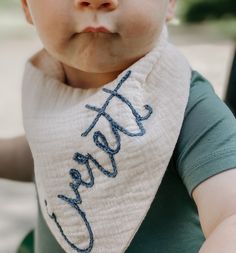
<point x="207" y="141"/>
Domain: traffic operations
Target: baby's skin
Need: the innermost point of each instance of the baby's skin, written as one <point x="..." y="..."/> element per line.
<point x="92" y="58"/>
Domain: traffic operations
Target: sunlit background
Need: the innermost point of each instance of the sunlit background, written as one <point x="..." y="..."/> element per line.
<point x="204" y="31"/>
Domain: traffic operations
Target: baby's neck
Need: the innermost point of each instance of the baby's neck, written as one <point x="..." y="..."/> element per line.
<point x="85" y="80"/>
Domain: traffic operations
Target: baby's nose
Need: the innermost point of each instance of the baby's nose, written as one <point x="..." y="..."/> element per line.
<point x="97" y="4"/>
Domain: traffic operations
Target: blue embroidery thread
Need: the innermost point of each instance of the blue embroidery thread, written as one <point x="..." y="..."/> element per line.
<point x="101" y="142"/>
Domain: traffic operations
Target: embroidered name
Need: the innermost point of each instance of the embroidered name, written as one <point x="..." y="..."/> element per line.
<point x="101" y="142"/>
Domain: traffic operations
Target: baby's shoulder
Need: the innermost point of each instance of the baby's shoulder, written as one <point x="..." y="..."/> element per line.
<point x="198" y="82"/>
<point x="202" y="96"/>
<point x="208" y="121"/>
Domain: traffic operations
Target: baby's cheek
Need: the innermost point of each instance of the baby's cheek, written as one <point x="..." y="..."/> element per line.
<point x="54" y="39"/>
<point x="139" y="19"/>
<point x="54" y="29"/>
<point x="139" y="26"/>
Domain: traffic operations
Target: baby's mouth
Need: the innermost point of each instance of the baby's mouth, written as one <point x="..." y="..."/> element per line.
<point x="100" y="29"/>
<point x="97" y="32"/>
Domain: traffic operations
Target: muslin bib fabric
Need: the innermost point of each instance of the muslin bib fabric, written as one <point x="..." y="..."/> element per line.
<point x="100" y="154"/>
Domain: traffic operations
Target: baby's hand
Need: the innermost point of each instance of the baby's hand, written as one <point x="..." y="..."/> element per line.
<point x="16" y="162"/>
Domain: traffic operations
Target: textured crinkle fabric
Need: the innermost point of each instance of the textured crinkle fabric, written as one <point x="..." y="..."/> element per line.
<point x="100" y="154"/>
<point x="172" y="223"/>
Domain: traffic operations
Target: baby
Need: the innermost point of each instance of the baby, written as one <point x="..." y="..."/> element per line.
<point x="132" y="149"/>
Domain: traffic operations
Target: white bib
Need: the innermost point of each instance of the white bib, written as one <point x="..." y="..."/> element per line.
<point x="100" y="154"/>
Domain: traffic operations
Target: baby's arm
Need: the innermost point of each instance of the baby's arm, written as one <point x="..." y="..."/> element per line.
<point x="16" y="162"/>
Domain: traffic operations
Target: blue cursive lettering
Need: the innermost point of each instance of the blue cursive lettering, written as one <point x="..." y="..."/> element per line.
<point x="101" y="142"/>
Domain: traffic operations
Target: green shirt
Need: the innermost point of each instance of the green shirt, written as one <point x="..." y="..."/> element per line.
<point x="206" y="147"/>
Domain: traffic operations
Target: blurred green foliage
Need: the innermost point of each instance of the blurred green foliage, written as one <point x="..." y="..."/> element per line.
<point x="9" y="3"/>
<point x="201" y="10"/>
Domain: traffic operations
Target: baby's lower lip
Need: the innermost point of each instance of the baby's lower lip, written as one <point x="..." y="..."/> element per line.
<point x="97" y="35"/>
<point x="96" y="30"/>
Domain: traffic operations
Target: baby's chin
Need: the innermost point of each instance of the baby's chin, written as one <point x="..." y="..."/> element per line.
<point x="103" y="64"/>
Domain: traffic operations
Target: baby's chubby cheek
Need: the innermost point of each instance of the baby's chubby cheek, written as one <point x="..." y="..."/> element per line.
<point x="53" y="24"/>
<point x="139" y="24"/>
<point x="135" y="28"/>
<point x="56" y="38"/>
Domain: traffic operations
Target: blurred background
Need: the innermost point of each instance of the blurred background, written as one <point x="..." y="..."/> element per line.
<point x="204" y="30"/>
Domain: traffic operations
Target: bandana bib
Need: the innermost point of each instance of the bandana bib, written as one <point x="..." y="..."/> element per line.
<point x="100" y="154"/>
